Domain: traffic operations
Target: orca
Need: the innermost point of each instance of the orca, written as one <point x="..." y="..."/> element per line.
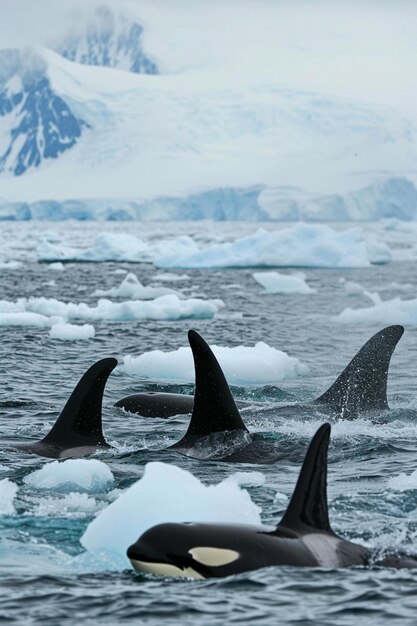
<point x="216" y="430"/>
<point x="361" y="387"/>
<point x="78" y="430"/>
<point x="303" y="538"/>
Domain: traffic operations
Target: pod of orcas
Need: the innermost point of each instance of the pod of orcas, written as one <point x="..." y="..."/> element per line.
<point x="216" y="430"/>
<point x="304" y="537"/>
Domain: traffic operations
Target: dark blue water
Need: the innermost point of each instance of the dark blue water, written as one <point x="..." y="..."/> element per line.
<point x="39" y="585"/>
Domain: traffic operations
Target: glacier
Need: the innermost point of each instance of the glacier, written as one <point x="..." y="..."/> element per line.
<point x="134" y="114"/>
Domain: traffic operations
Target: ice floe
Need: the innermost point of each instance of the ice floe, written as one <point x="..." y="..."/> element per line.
<point x="242" y="365"/>
<point x="165" y="493"/>
<point x="8" y="491"/>
<point x="72" y="475"/>
<point x="116" y="247"/>
<point x="71" y="332"/>
<point x="45" y="312"/>
<point x="273" y="282"/>
<point x="394" y="311"/>
<point x="132" y="288"/>
<point x="403" y="482"/>
<point x="301" y="245"/>
<point x="170" y="277"/>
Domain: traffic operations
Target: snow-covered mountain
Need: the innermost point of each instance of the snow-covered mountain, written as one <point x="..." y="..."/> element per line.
<point x="109" y="40"/>
<point x="164" y="117"/>
<point x="37" y="123"/>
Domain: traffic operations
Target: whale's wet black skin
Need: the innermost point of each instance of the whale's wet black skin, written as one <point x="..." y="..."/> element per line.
<point x="78" y="430"/>
<point x="361" y="387"/>
<point x="303" y="538"/>
<point x="217" y="431"/>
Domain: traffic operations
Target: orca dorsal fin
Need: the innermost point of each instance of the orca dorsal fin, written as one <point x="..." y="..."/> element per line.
<point x="214" y="408"/>
<point x="308" y="504"/>
<point x="362" y="386"/>
<point x="80" y="420"/>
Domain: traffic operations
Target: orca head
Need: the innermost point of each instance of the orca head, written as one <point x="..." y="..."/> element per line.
<point x="186" y="550"/>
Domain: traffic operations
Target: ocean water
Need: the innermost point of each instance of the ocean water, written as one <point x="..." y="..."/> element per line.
<point x="41" y="579"/>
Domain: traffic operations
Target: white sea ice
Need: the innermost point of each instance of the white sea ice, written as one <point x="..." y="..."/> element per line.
<point x="394" y="311"/>
<point x="170" y="277"/>
<point x="44" y="312"/>
<point x="273" y="282"/>
<point x="10" y="265"/>
<point x="71" y="332"/>
<point x="23" y="318"/>
<point x="71" y="475"/>
<point x="403" y="482"/>
<point x="165" y="493"/>
<point x="301" y="245"/>
<point x="117" y="247"/>
<point x="8" y="491"/>
<point x="132" y="288"/>
<point x="242" y="365"/>
<point x="58" y="266"/>
<point x="353" y="289"/>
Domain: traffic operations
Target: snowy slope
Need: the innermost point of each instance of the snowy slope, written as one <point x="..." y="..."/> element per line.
<point x="108" y="40"/>
<point x="235" y="124"/>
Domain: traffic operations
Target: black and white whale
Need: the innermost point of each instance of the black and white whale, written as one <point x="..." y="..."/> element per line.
<point x="361" y="387"/>
<point x="78" y="430"/>
<point x="216" y="430"/>
<point x="303" y="538"/>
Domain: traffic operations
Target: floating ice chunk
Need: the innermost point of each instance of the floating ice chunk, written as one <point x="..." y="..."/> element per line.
<point x="242" y="365"/>
<point x="117" y="247"/>
<point x="41" y="311"/>
<point x="24" y="319"/>
<point x="72" y="475"/>
<point x="58" y="266"/>
<point x="8" y="491"/>
<point x="378" y="251"/>
<point x="395" y="311"/>
<point x="131" y="287"/>
<point x="74" y="504"/>
<point x="354" y="289"/>
<point x="403" y="482"/>
<point x="273" y="282"/>
<point x="70" y="332"/>
<point x="170" y="277"/>
<point x="165" y="493"/>
<point x="302" y="245"/>
<point x="10" y="265"/>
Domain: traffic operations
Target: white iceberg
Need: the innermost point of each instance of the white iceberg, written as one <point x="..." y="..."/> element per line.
<point x="119" y="247"/>
<point x="394" y="311"/>
<point x="132" y="288"/>
<point x="243" y="365"/>
<point x="44" y="312"/>
<point x="273" y="282"/>
<point x="71" y="332"/>
<point x="165" y="493"/>
<point x="301" y="245"/>
<point x="72" y="475"/>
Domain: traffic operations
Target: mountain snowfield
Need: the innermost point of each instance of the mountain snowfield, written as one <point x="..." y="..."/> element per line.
<point x="158" y="113"/>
